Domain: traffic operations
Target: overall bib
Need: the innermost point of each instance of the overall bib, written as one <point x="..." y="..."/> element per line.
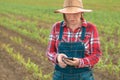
<point x="76" y="50"/>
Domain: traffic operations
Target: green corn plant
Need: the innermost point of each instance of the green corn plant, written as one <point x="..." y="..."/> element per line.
<point x="17" y="40"/>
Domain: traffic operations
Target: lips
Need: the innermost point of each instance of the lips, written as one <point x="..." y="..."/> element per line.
<point x="72" y="20"/>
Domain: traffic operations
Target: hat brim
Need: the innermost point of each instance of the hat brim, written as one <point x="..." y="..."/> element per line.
<point x="72" y="10"/>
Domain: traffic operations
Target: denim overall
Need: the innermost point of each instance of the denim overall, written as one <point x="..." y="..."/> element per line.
<point x="76" y="50"/>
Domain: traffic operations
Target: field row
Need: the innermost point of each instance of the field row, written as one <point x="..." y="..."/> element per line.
<point x="32" y="57"/>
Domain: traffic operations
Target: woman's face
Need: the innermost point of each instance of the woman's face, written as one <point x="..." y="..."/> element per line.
<point x="73" y="18"/>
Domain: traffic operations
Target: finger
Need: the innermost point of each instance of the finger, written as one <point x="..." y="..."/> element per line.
<point x="63" y="60"/>
<point x="75" y="58"/>
<point x="61" y="64"/>
<point x="62" y="55"/>
<point x="68" y="62"/>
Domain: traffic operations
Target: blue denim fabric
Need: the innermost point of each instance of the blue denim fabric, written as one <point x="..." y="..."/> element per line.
<point x="78" y="76"/>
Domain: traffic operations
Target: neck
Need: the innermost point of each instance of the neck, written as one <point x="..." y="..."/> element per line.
<point x="74" y="26"/>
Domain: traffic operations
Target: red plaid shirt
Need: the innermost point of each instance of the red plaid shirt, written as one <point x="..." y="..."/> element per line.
<point x="91" y="41"/>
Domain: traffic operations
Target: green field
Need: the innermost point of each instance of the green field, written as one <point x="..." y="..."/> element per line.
<point x="34" y="19"/>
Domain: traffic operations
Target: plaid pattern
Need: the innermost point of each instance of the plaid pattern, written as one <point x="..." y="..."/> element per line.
<point x="91" y="41"/>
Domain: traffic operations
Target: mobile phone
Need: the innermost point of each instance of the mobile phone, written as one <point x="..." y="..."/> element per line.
<point x="70" y="58"/>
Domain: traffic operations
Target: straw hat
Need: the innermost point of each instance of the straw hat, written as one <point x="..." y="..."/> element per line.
<point x="72" y="6"/>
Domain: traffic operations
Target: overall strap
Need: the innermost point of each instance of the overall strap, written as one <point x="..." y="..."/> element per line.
<point x="61" y="31"/>
<point x="83" y="33"/>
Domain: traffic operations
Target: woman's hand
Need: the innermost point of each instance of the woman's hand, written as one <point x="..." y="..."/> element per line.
<point x="60" y="60"/>
<point x="74" y="62"/>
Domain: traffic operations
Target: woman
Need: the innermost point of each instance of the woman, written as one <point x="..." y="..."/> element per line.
<point x="74" y="45"/>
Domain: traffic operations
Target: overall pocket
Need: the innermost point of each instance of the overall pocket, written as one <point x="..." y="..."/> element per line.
<point x="87" y="75"/>
<point x="57" y="75"/>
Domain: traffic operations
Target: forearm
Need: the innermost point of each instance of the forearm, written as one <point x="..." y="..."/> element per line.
<point x="52" y="56"/>
<point x="90" y="60"/>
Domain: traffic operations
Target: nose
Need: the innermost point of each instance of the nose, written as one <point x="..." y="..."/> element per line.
<point x="72" y="16"/>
